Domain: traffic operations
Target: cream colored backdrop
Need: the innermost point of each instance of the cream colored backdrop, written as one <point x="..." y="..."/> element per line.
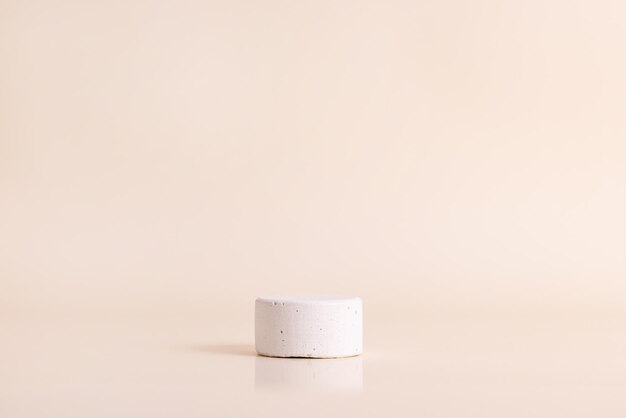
<point x="186" y="156"/>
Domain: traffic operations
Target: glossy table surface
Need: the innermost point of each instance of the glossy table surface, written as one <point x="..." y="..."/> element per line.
<point x="515" y="364"/>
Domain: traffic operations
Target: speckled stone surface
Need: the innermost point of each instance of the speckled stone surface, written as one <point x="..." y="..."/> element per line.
<point x="314" y="327"/>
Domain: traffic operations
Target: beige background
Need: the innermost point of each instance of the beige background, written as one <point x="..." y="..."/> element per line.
<point x="459" y="165"/>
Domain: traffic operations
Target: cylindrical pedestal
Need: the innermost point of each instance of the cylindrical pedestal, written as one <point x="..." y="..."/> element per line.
<point x="323" y="327"/>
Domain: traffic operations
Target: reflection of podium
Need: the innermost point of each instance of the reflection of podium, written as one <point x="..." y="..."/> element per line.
<point x="302" y="374"/>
